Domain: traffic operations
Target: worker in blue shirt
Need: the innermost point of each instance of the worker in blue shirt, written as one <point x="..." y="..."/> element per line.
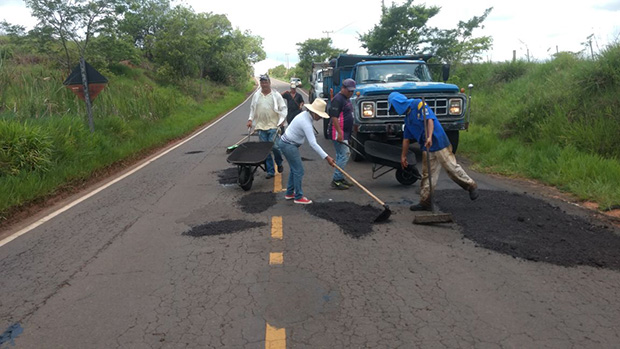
<point x="436" y="141"/>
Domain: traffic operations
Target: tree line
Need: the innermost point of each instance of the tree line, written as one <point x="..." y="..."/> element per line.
<point x="403" y="30"/>
<point x="176" y="42"/>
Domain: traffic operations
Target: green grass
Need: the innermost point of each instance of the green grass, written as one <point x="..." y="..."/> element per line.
<point x="556" y="122"/>
<point x="45" y="142"/>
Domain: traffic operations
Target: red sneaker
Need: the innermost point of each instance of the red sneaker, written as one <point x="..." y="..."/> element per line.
<point x="289" y="197"/>
<point x="304" y="201"/>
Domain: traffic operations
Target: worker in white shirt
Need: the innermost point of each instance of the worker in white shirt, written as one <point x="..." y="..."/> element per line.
<point x="267" y="113"/>
<point x="296" y="134"/>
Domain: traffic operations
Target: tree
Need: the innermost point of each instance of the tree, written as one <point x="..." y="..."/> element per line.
<point x="458" y="45"/>
<point x="74" y="20"/>
<point x="401" y="30"/>
<point x="315" y="50"/>
<point x="142" y="20"/>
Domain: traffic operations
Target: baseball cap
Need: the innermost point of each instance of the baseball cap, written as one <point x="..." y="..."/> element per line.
<point x="293" y="85"/>
<point x="349" y="84"/>
<point x="264" y="77"/>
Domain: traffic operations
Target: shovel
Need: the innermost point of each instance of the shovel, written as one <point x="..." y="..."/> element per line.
<point x="434" y="216"/>
<point x="386" y="209"/>
<point x="234" y="146"/>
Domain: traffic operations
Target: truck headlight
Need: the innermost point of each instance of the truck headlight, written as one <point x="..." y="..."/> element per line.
<point x="368" y="109"/>
<point x="456" y="105"/>
<point x="321" y="94"/>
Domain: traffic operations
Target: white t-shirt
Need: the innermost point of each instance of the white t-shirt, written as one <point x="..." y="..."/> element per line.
<point x="301" y="129"/>
<point x="267" y="111"/>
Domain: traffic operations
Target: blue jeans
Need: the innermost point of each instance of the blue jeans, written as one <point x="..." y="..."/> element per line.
<point x="296" y="171"/>
<point x="342" y="157"/>
<point x="268" y="136"/>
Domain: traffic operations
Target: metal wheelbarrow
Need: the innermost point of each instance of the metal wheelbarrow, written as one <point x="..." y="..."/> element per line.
<point x="249" y="157"/>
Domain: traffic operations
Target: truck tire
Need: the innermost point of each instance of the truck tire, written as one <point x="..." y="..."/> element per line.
<point x="453" y="136"/>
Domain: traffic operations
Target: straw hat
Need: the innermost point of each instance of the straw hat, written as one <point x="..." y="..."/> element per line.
<point x="318" y="107"/>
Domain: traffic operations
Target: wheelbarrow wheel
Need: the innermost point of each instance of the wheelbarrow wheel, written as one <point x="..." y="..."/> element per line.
<point x="246" y="177"/>
<point x="407" y="177"/>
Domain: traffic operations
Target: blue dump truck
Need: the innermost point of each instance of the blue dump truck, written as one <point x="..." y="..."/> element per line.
<point x="377" y="77"/>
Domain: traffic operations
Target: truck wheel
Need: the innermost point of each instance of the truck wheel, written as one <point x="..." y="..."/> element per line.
<point x="406" y="177"/>
<point x="453" y="136"/>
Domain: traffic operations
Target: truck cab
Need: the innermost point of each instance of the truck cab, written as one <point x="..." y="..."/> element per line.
<point x="378" y="76"/>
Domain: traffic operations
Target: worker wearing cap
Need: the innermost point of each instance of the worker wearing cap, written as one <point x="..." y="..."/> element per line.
<point x="294" y="102"/>
<point x="341" y="125"/>
<point x="432" y="137"/>
<point x="267" y="113"/>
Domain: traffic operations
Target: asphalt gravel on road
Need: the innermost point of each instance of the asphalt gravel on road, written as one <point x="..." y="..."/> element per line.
<point x="222" y="227"/>
<point x="354" y="220"/>
<point x="529" y="228"/>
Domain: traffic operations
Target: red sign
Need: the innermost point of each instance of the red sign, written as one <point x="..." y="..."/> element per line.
<point x="93" y="90"/>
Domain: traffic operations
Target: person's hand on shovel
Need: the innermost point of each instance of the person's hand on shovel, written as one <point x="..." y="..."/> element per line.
<point x="330" y="161"/>
<point x="249" y="123"/>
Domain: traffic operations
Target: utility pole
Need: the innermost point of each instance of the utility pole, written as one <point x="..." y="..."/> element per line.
<point x="287" y="67"/>
<point x="327" y="32"/>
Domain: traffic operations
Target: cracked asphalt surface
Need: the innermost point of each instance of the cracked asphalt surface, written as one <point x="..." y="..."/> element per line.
<point x="116" y="271"/>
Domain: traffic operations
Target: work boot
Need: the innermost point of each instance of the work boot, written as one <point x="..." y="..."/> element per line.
<point x="473" y="193"/>
<point x="419" y="207"/>
<point x="339" y="185"/>
<point x="347" y="183"/>
<point x="269" y="176"/>
<point x="280" y="168"/>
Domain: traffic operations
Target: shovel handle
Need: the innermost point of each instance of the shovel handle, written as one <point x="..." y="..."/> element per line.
<point x="359" y="185"/>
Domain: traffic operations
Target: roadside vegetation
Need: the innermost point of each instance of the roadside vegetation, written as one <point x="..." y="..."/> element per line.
<point x="555" y="121"/>
<point x="170" y="70"/>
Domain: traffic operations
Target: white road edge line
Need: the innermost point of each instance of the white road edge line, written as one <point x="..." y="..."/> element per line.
<point x="107" y="185"/>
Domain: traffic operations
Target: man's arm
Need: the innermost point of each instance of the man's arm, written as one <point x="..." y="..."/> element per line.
<point x="281" y="108"/>
<point x="252" y="109"/>
<point x="403" y="156"/>
<point x="334" y="113"/>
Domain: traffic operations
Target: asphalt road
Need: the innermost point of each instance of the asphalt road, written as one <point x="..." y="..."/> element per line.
<point x="115" y="270"/>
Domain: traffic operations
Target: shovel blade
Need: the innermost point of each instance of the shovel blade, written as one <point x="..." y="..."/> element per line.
<point x="384" y="215"/>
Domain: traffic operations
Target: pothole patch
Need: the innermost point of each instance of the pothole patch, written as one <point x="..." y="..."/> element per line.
<point x="228" y="176"/>
<point x="525" y="227"/>
<point x="354" y="220"/>
<point x="257" y="202"/>
<point x="222" y="227"/>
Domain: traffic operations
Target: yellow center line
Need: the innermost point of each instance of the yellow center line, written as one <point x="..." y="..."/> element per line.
<point x="276" y="227"/>
<point x="275" y="338"/>
<point x="277" y="183"/>
<point x="276" y="258"/>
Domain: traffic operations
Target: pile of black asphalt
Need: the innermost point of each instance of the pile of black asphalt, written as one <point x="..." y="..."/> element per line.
<point x="525" y="227"/>
<point x="354" y="220"/>
<point x="257" y="202"/>
<point x="222" y="227"/>
<point x="228" y="176"/>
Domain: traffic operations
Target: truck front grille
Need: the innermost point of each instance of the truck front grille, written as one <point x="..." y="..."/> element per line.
<point x="438" y="105"/>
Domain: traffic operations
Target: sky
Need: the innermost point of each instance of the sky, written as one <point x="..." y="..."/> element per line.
<point x="539" y="27"/>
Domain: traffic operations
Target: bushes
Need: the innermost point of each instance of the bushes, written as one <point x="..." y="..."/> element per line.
<point x="23" y="147"/>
